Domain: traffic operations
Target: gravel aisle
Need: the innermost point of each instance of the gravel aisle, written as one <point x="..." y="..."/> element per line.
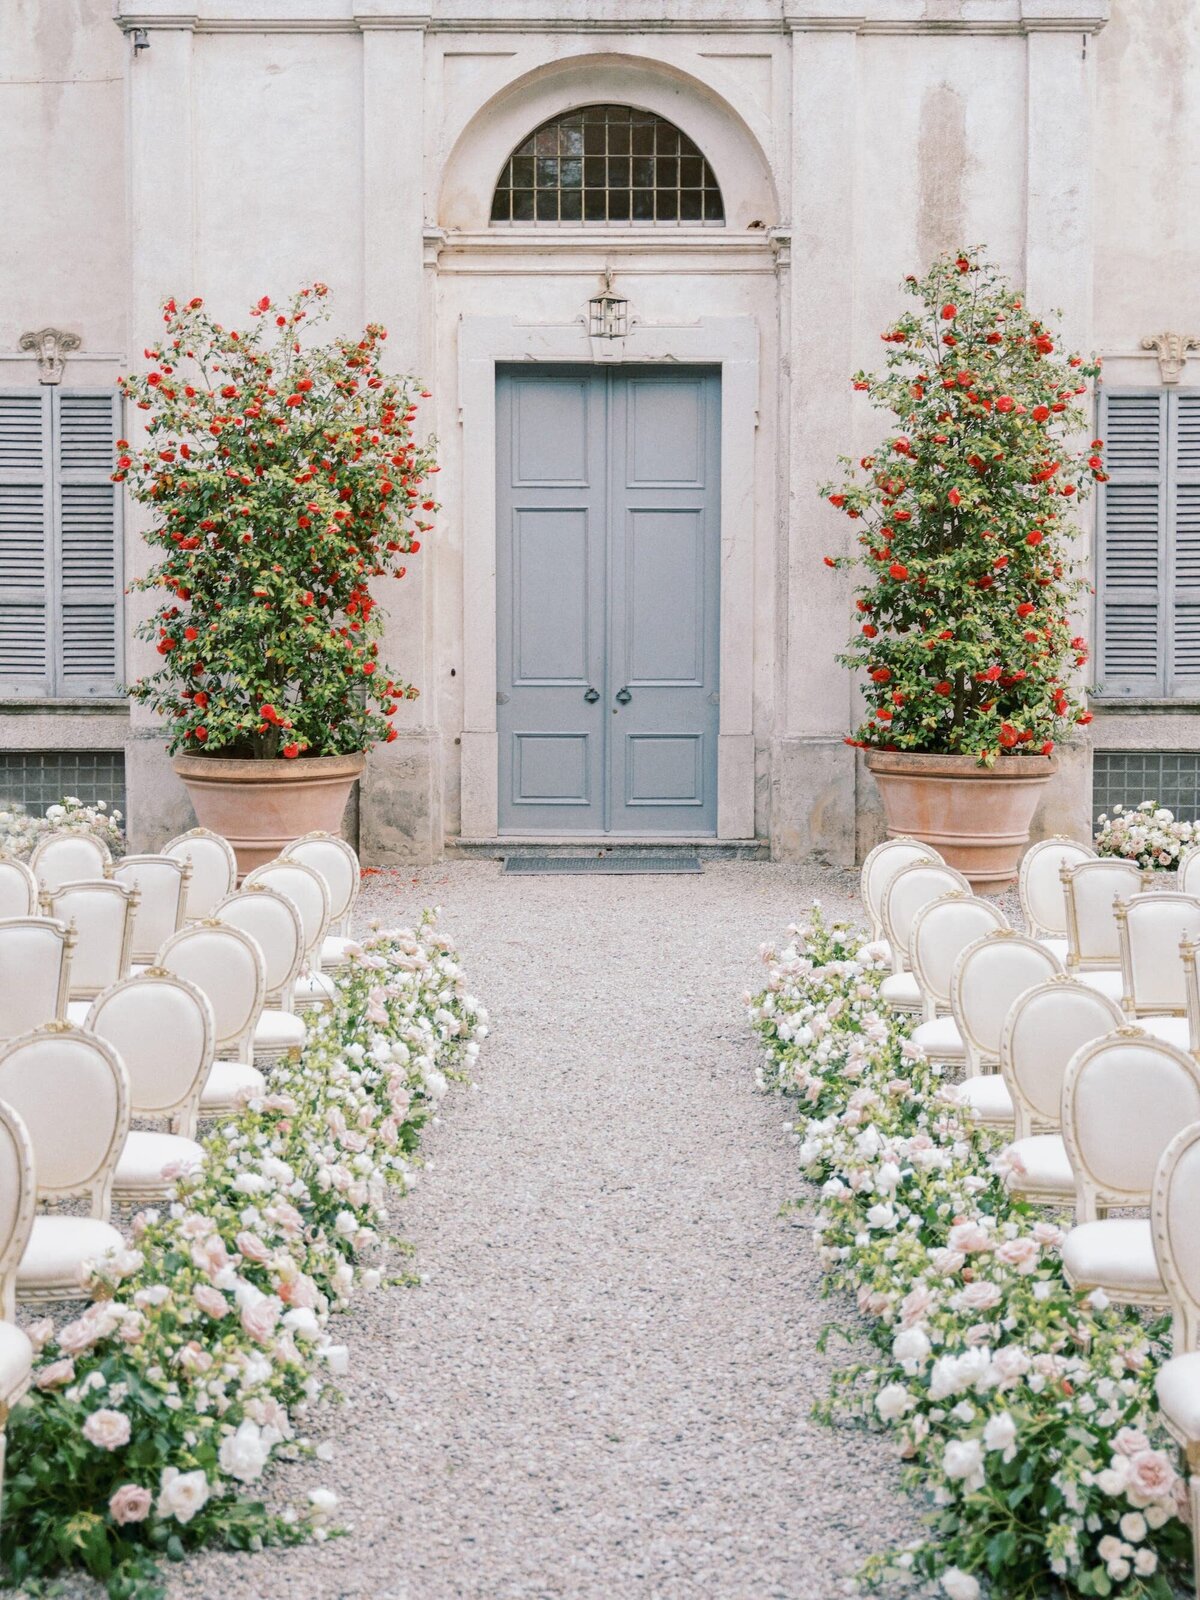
<point x="603" y="1387"/>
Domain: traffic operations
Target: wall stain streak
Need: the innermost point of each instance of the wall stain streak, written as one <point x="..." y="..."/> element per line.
<point x="943" y="161"/>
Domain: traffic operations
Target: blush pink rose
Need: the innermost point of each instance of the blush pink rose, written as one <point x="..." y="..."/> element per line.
<point x="915" y="1306"/>
<point x="1020" y="1253"/>
<point x="259" y="1319"/>
<point x="1131" y="1442"/>
<point x="252" y="1247"/>
<point x="969" y="1237"/>
<point x="55" y="1375"/>
<point x="106" y="1429"/>
<point x="981" y="1296"/>
<point x="130" y="1503"/>
<point x="210" y="1300"/>
<point x="1151" y="1475"/>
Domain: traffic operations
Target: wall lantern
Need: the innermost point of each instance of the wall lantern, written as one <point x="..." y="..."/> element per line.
<point x="608" y="312"/>
<point x="141" y="39"/>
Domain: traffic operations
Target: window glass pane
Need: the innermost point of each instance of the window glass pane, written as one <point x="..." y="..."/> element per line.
<point x="607" y="164"/>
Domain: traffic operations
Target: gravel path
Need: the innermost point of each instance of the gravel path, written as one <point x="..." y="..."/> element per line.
<point x="603" y="1387"/>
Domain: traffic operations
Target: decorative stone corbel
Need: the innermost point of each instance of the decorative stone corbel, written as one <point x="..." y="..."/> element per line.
<point x="1172" y="350"/>
<point x="51" y="347"/>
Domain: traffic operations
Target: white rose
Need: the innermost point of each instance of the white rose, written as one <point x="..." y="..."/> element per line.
<point x="910" y="1345"/>
<point x="181" y="1494"/>
<point x="1000" y="1433"/>
<point x="963" y="1460"/>
<point x="892" y="1401"/>
<point x="303" y="1323"/>
<point x="882" y="1218"/>
<point x="959" y="1585"/>
<point x="1145" y="1563"/>
<point x="336" y="1358"/>
<point x="324" y="1503"/>
<point x="243" y="1454"/>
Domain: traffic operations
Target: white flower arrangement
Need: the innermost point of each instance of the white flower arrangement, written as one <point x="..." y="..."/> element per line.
<point x="1147" y="833"/>
<point x="150" y="1413"/>
<point x="20" y="832"/>
<point x="1025" y="1412"/>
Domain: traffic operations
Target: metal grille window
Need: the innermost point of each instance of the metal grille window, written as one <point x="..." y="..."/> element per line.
<point x="1127" y="777"/>
<point x="60" y="550"/>
<point x="1148" y="618"/>
<point x="608" y="165"/>
<point x="36" y="779"/>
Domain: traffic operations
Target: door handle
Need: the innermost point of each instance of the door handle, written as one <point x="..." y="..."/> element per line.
<point x="591" y="696"/>
<point x="623" y="697"/>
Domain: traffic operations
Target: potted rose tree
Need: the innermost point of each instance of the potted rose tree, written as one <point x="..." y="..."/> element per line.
<point x="282" y="477"/>
<point x="963" y="518"/>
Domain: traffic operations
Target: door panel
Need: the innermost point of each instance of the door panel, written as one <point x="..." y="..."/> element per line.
<point x="607" y="585"/>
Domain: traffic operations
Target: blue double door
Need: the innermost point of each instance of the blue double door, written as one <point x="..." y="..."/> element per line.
<point x="608" y="574"/>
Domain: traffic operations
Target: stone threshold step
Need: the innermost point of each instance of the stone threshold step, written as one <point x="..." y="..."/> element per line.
<point x="543" y="845"/>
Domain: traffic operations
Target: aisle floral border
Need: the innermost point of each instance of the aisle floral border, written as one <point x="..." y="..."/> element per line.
<point x="152" y="1412"/>
<point x="1023" y="1411"/>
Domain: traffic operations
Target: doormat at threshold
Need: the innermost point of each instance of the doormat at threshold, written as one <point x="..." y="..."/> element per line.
<point x="610" y="865"/>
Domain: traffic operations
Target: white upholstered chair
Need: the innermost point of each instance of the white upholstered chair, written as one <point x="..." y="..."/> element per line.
<point x="226" y="965"/>
<point x="214" y="869"/>
<point x="162" y="1028"/>
<point x="273" y="922"/>
<point x="35" y="973"/>
<point x="305" y="887"/>
<point x="881" y="866"/>
<point x="336" y="861"/>
<point x="102" y="913"/>
<point x="1150" y="930"/>
<point x="1040" y="890"/>
<point x="1188" y="870"/>
<point x="988" y="976"/>
<point x="1090" y="891"/>
<point x="941" y="931"/>
<point x="18" y="888"/>
<point x="914" y="886"/>
<point x="1125" y="1097"/>
<point x="1174" y="1207"/>
<point x="17" y="1201"/>
<point x="71" y="1091"/>
<point x="1045" y="1027"/>
<point x="68" y="857"/>
<point x="161" y="883"/>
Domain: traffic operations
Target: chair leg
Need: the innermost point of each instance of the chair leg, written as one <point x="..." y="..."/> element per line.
<point x="1194" y="1497"/>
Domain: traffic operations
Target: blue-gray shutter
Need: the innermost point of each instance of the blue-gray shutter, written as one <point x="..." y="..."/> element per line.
<point x="26" y="543"/>
<point x="1132" y="553"/>
<point x="88" y="509"/>
<point x="1184" y="537"/>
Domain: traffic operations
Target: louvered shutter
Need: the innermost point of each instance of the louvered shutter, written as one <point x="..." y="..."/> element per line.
<point x="1133" y="544"/>
<point x="88" y="638"/>
<point x="1184" y="537"/>
<point x="26" y="543"/>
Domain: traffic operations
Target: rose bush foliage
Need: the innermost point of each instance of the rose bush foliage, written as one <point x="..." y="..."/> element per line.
<point x="1024" y="1412"/>
<point x="282" y="478"/>
<point x="152" y="1412"/>
<point x="964" y="524"/>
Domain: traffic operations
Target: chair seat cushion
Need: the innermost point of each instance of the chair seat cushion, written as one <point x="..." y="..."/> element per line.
<point x="146" y="1155"/>
<point x="315" y="989"/>
<point x="335" y="951"/>
<point x="988" y="1097"/>
<point x="1056" y="947"/>
<point x="1105" y="980"/>
<point x="1178" y="1387"/>
<point x="280" y="1030"/>
<point x="1174" y="1030"/>
<point x="1044" y="1164"/>
<point x="226" y="1082"/>
<point x="901" y="991"/>
<point x="1116" y="1253"/>
<point x="58" y="1248"/>
<point x="940" y="1039"/>
<point x="16" y="1361"/>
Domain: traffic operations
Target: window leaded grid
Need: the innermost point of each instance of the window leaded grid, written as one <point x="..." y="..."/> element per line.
<point x="608" y="166"/>
<point x="1127" y="777"/>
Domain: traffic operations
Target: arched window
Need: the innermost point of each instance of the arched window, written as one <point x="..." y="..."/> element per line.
<point x="608" y="165"/>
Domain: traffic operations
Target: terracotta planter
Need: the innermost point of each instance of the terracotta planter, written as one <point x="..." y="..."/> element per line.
<point x="977" y="819"/>
<point x="260" y="806"/>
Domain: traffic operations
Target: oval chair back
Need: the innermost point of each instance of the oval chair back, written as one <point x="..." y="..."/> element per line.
<point x="71" y="1091"/>
<point x="68" y="857"/>
<point x="1174" y="1207"/>
<point x="214" y="870"/>
<point x="35" y="973"/>
<point x="913" y="887"/>
<point x="1044" y="1028"/>
<point x="18" y="888"/>
<point x="881" y="866"/>
<point x="336" y="861"/>
<point x="1150" y="928"/>
<point x="18" y="1200"/>
<point x="227" y="967"/>
<point x="1039" y="884"/>
<point x="1090" y="890"/>
<point x="1188" y="870"/>
<point x="305" y="888"/>
<point x="162" y="1028"/>
<point x="161" y="883"/>
<point x="274" y="923"/>
<point x="988" y="976"/>
<point x="1125" y="1097"/>
<point x="941" y="931"/>
<point x="101" y="912"/>
<point x="1188" y="949"/>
